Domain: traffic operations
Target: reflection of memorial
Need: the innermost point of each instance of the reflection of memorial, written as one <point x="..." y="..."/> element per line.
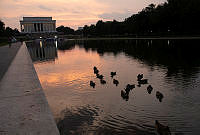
<point x="42" y="51"/>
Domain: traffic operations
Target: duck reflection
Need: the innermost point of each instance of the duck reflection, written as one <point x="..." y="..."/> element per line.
<point x="42" y="51"/>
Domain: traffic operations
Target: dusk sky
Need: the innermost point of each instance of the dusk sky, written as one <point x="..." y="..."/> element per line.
<point x="72" y="13"/>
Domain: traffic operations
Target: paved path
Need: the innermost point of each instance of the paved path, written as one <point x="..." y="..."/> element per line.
<point x="7" y="54"/>
<point x="24" y="109"/>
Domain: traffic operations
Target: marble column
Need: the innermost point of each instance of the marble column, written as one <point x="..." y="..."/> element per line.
<point x="40" y="27"/>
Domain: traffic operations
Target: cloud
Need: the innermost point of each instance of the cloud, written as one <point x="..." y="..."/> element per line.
<point x="44" y="8"/>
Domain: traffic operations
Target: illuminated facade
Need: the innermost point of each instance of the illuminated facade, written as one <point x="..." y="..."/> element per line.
<point x="37" y="25"/>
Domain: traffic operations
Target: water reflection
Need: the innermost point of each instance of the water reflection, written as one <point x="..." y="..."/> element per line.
<point x="179" y="57"/>
<point x="42" y="51"/>
<point x="76" y="120"/>
<point x="170" y="71"/>
<point x="87" y="120"/>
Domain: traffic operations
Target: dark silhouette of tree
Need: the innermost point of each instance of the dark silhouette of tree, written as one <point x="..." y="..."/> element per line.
<point x="7" y="32"/>
<point x="174" y="17"/>
<point x="65" y="30"/>
<point x="2" y="27"/>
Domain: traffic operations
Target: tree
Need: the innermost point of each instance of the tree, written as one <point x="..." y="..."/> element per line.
<point x="2" y="27"/>
<point x="65" y="30"/>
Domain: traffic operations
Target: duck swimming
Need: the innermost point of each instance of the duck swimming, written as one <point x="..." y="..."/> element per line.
<point x="102" y="81"/>
<point x="95" y="68"/>
<point x="129" y="86"/>
<point x="149" y="89"/>
<point x="124" y="95"/>
<point x="139" y="76"/>
<point x="99" y="76"/>
<point x="112" y="74"/>
<point x="161" y="129"/>
<point x="127" y="90"/>
<point x="92" y="84"/>
<point x="96" y="71"/>
<point x="116" y="82"/>
<point x="143" y="81"/>
<point x="159" y="96"/>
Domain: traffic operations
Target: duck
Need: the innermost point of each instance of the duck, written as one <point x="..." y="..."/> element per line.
<point x="127" y="90"/>
<point x="124" y="95"/>
<point x="95" y="68"/>
<point x="139" y="76"/>
<point x="99" y="76"/>
<point x="139" y="85"/>
<point x="149" y="89"/>
<point x="161" y="129"/>
<point x="103" y="81"/>
<point x="113" y="74"/>
<point x="92" y="84"/>
<point x="159" y="96"/>
<point x="129" y="86"/>
<point x="96" y="71"/>
<point x="143" y="81"/>
<point x="116" y="82"/>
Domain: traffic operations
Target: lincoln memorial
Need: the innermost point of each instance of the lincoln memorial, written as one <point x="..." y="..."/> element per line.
<point x="38" y="25"/>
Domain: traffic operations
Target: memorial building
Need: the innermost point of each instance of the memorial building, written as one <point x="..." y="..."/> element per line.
<point x="38" y="25"/>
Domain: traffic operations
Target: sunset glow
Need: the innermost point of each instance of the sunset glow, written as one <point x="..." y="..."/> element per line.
<point x="64" y="74"/>
<point x="72" y="13"/>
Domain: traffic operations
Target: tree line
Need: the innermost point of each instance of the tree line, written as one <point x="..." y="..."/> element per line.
<point x="173" y="17"/>
<point x="7" y="31"/>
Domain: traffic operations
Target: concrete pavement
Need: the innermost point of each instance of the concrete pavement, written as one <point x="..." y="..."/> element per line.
<point x="7" y="54"/>
<point x="24" y="109"/>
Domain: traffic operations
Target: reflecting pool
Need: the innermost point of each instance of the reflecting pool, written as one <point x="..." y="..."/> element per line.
<point x="172" y="67"/>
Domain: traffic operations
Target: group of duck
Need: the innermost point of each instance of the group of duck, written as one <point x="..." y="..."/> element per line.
<point x="129" y="87"/>
<point x="161" y="129"/>
<point x="141" y="81"/>
<point x="101" y="78"/>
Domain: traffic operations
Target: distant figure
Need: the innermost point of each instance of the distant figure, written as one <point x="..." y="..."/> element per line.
<point x="149" y="89"/>
<point x="112" y="74"/>
<point x="102" y="81"/>
<point x="124" y="95"/>
<point x="161" y="129"/>
<point x="99" y="76"/>
<point x="9" y="41"/>
<point x="159" y="96"/>
<point x="92" y="84"/>
<point x="139" y="77"/>
<point x="116" y="82"/>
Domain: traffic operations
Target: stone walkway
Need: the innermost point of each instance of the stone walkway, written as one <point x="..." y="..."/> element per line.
<point x="7" y="54"/>
<point x="24" y="109"/>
